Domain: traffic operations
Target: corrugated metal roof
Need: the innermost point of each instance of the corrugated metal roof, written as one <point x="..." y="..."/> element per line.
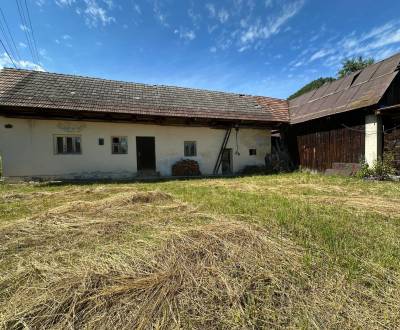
<point x="358" y="90"/>
<point x="42" y="90"/>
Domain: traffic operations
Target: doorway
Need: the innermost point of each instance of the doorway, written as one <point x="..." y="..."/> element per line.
<point x="146" y="153"/>
<point x="226" y="162"/>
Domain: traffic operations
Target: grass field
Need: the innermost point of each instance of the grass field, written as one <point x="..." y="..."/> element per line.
<point x="282" y="251"/>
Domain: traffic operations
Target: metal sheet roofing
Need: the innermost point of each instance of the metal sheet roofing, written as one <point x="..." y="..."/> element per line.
<point x="42" y="90"/>
<point x="358" y="90"/>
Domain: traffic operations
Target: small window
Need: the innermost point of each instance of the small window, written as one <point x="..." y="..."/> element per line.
<point x="101" y="142"/>
<point x="119" y="145"/>
<point x="68" y="145"/>
<point x="252" y="152"/>
<point x="190" y="149"/>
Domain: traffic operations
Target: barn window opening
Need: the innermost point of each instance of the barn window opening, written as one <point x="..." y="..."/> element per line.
<point x="190" y="148"/>
<point x="68" y="145"/>
<point x="101" y="142"/>
<point x="119" y="145"/>
<point x="252" y="152"/>
<point x="355" y="78"/>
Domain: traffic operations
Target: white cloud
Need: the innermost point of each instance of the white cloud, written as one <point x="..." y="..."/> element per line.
<point x="6" y="62"/>
<point x="66" y="37"/>
<point x="22" y="45"/>
<point x="23" y="27"/>
<point x="43" y="54"/>
<point x="137" y="9"/>
<point x="94" y="14"/>
<point x="321" y="53"/>
<point x="185" y="34"/>
<point x="380" y="42"/>
<point x="40" y="3"/>
<point x="159" y="14"/>
<point x="211" y="9"/>
<point x="63" y="3"/>
<point x="269" y="3"/>
<point x="264" y="30"/>
<point x="109" y="3"/>
<point x="223" y="15"/>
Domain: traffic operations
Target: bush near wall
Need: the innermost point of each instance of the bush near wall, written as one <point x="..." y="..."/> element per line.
<point x="382" y="169"/>
<point x="186" y="167"/>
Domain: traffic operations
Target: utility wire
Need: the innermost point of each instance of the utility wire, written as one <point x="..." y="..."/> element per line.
<point x="16" y="52"/>
<point x="25" y="29"/>
<point x="8" y="41"/>
<point x="8" y="54"/>
<point x="32" y="32"/>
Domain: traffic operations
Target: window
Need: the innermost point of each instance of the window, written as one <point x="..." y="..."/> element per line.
<point x="119" y="145"/>
<point x="252" y="152"/>
<point x="101" y="142"/>
<point x="68" y="144"/>
<point x="190" y="148"/>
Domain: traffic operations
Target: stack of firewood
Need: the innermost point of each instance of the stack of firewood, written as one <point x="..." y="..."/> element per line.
<point x="186" y="167"/>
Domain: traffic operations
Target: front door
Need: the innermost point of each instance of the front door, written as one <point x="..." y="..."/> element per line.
<point x="227" y="161"/>
<point x="146" y="153"/>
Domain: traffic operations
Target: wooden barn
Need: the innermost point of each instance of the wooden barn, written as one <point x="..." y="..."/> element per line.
<point x="348" y="120"/>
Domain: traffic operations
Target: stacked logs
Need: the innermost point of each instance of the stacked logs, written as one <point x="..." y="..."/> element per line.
<point x="186" y="167"/>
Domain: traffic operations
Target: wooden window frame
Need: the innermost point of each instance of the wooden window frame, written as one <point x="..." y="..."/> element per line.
<point x="119" y="145"/>
<point x="192" y="153"/>
<point x="56" y="138"/>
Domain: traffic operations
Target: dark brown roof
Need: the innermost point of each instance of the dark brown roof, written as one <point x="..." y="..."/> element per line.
<point x="358" y="90"/>
<point x="42" y="90"/>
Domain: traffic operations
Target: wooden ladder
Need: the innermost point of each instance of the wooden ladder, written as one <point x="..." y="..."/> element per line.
<point x="221" y="151"/>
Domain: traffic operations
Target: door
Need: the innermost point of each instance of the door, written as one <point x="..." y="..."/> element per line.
<point x="145" y="153"/>
<point x="226" y="162"/>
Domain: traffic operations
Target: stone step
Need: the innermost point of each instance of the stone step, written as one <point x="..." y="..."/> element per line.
<point x="344" y="169"/>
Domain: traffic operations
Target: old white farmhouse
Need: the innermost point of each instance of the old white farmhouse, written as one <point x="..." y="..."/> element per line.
<point x="70" y="127"/>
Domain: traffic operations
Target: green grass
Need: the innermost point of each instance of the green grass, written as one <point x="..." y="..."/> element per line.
<point x="346" y="233"/>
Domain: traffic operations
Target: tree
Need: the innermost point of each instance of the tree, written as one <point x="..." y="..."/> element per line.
<point x="351" y="65"/>
<point x="311" y="86"/>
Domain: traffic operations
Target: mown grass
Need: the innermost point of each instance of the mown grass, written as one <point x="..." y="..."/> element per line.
<point x="290" y="250"/>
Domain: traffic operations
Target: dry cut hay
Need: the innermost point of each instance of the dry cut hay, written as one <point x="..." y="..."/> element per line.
<point x="81" y="220"/>
<point x="213" y="276"/>
<point x="225" y="275"/>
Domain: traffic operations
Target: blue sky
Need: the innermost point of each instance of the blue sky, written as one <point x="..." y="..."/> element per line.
<point x="265" y="47"/>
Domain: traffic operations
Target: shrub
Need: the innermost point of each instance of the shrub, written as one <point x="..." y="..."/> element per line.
<point x="382" y="168"/>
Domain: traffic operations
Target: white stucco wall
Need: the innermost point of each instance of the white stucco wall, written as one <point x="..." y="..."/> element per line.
<point x="373" y="138"/>
<point x="27" y="149"/>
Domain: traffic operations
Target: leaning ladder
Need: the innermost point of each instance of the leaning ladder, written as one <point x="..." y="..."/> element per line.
<point x="221" y="151"/>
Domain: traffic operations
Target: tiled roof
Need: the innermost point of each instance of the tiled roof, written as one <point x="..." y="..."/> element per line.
<point x="361" y="89"/>
<point x="42" y="90"/>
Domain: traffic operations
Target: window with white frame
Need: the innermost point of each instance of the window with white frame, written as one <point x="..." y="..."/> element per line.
<point x="67" y="144"/>
<point x="190" y="148"/>
<point x="119" y="145"/>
